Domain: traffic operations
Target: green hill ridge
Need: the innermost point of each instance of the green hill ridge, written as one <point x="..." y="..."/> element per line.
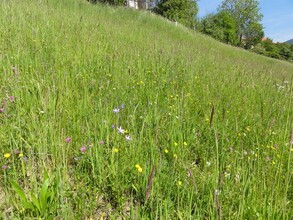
<point x="113" y="113"/>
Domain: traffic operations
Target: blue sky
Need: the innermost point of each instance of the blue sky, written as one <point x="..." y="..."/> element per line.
<point x="277" y="16"/>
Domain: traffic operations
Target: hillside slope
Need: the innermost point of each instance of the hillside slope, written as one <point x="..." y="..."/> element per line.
<point x="116" y="113"/>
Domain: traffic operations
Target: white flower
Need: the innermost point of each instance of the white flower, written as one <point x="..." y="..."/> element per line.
<point x="128" y="138"/>
<point x="208" y="163"/>
<point x="116" y="110"/>
<point x="121" y="130"/>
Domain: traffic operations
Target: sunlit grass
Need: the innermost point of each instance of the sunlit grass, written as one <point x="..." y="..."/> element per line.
<point x="122" y="114"/>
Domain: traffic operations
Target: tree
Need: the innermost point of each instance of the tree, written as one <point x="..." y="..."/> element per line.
<point x="220" y="26"/>
<point x="182" y="11"/>
<point x="247" y="19"/>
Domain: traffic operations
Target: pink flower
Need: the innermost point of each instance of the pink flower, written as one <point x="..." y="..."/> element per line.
<point x="83" y="149"/>
<point x="11" y="98"/>
<point x="68" y="139"/>
<point x="1" y="110"/>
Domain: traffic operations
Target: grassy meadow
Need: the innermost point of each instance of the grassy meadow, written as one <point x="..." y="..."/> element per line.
<point x="112" y="113"/>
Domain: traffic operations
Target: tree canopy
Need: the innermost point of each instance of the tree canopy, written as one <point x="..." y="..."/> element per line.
<point x="247" y="17"/>
<point x="182" y="11"/>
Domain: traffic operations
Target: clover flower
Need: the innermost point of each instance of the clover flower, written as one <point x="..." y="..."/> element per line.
<point x="83" y="149"/>
<point x="68" y="140"/>
<point x="1" y="110"/>
<point x="5" y="167"/>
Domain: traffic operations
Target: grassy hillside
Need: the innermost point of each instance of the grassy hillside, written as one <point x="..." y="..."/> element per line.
<point x="111" y="113"/>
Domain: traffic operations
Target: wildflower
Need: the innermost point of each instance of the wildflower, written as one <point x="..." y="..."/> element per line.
<point x="291" y="149"/>
<point x="115" y="150"/>
<point x="7" y="155"/>
<point x="166" y="151"/>
<point x="83" y="149"/>
<point x="11" y="98"/>
<point x="1" y="110"/>
<point x="122" y="106"/>
<point x="101" y="142"/>
<point x="25" y="159"/>
<point x="208" y="163"/>
<point x="16" y="151"/>
<point x="247" y="128"/>
<point x="184" y="143"/>
<point x="127" y="137"/>
<point x="116" y="110"/>
<point x="175" y="144"/>
<point x="113" y="126"/>
<point x="217" y="192"/>
<point x="121" y="130"/>
<point x="20" y="155"/>
<point x="68" y="140"/>
<point x="175" y="156"/>
<point x="179" y="183"/>
<point x="4" y="167"/>
<point x="138" y="167"/>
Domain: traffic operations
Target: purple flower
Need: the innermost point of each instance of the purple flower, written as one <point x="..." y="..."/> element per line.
<point x="83" y="149"/>
<point x="1" y="110"/>
<point x="25" y="159"/>
<point x="101" y="142"/>
<point x="128" y="138"/>
<point x="4" y="167"/>
<point x="113" y="126"/>
<point x="16" y="151"/>
<point x="68" y="139"/>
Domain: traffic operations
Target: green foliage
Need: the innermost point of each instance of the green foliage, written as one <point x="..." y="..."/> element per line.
<point x="182" y="11"/>
<point x="215" y="121"/>
<point x="42" y="205"/>
<point x="220" y="26"/>
<point x="247" y="17"/>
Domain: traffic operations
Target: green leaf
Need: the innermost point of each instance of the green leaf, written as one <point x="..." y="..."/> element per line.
<point x="36" y="202"/>
<point x="26" y="204"/>
<point x="43" y="194"/>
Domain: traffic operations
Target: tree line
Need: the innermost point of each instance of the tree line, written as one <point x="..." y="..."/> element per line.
<point x="237" y="22"/>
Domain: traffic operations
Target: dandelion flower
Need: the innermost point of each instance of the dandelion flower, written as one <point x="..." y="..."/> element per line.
<point x="115" y="150"/>
<point x="175" y="156"/>
<point x="138" y="167"/>
<point x="179" y="183"/>
<point x="7" y="155"/>
<point x="166" y="151"/>
<point x="20" y="155"/>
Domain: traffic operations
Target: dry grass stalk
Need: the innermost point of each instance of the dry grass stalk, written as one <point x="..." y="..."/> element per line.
<point x="212" y="116"/>
<point x="150" y="183"/>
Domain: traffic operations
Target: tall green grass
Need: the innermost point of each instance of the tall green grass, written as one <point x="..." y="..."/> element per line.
<point x="210" y="125"/>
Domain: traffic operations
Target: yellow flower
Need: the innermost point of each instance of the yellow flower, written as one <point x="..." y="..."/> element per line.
<point x="7" y="155"/>
<point x="115" y="150"/>
<point x="138" y="167"/>
<point x="20" y="155"/>
<point x="175" y="156"/>
<point x="175" y="144"/>
<point x="179" y="183"/>
<point x="185" y="144"/>
<point x="166" y="151"/>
